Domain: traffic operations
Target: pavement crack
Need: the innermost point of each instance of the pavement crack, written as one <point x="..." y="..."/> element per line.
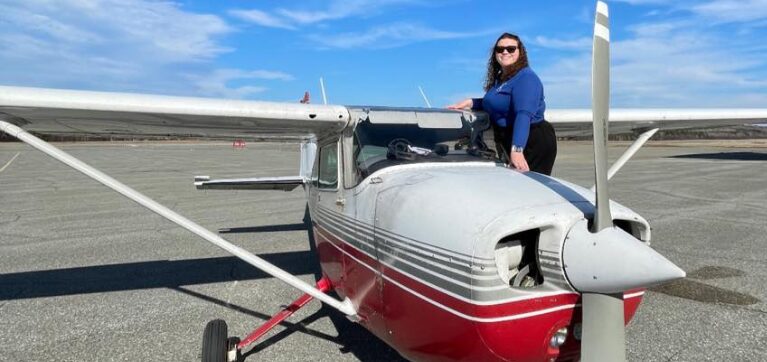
<point x="677" y="353"/>
<point x="16" y="218"/>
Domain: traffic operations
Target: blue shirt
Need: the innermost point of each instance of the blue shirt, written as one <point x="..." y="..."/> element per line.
<point x="519" y="100"/>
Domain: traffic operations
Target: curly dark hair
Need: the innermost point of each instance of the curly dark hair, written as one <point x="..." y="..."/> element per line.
<point x="494" y="71"/>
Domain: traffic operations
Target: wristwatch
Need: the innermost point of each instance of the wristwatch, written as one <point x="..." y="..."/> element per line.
<point x="517" y="148"/>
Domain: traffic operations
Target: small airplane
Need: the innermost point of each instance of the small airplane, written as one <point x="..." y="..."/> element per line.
<point x="430" y="241"/>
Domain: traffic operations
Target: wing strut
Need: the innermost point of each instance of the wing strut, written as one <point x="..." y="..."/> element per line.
<point x="626" y="156"/>
<point x="344" y="306"/>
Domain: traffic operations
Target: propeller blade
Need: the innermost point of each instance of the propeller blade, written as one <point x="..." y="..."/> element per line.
<point x="600" y="104"/>
<point x="603" y="337"/>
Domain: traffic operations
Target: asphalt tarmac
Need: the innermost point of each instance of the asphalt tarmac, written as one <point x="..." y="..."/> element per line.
<point x="88" y="275"/>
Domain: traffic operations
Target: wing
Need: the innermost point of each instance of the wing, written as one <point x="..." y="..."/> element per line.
<point x="578" y="122"/>
<point x="61" y="112"/>
<point x="65" y="112"/>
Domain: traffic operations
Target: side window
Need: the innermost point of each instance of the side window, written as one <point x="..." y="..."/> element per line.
<point x="316" y="170"/>
<point x="328" y="170"/>
<point x="364" y="156"/>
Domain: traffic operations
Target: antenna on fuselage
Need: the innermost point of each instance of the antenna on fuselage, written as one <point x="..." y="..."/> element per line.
<point x="322" y="87"/>
<point x="428" y="104"/>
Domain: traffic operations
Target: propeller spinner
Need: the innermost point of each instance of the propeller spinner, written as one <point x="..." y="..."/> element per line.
<point x="605" y="261"/>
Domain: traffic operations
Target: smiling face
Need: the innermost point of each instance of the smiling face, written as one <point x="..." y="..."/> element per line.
<point x="507" y="57"/>
<point x="506" y="52"/>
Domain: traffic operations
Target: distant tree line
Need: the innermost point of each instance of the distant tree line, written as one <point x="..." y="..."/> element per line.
<point x="733" y="132"/>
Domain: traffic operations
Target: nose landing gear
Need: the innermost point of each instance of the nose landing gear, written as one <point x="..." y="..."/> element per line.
<point x="216" y="345"/>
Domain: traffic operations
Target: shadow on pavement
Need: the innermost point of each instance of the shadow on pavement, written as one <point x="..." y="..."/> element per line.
<point x="732" y="156"/>
<point x="144" y="275"/>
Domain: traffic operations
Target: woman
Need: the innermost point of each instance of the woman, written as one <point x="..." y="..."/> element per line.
<point x="514" y="101"/>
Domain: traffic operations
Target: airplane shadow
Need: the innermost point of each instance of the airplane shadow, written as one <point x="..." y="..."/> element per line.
<point x="155" y="274"/>
<point x="175" y="274"/>
<point x="352" y="338"/>
<point x="730" y="156"/>
<point x="294" y="327"/>
<point x="144" y="275"/>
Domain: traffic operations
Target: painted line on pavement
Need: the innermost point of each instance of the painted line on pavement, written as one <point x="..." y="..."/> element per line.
<point x="9" y="162"/>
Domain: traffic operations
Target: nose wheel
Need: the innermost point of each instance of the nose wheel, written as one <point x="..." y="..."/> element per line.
<point x="216" y="345"/>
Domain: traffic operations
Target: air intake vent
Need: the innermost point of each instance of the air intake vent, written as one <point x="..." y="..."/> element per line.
<point x="515" y="258"/>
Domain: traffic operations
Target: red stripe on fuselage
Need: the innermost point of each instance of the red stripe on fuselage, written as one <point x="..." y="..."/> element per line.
<point x="422" y="322"/>
<point x="507" y="310"/>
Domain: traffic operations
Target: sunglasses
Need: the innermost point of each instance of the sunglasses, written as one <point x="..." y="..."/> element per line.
<point x="510" y="49"/>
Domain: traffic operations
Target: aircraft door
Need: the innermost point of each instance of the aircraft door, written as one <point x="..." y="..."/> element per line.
<point x="385" y="200"/>
<point x="411" y="318"/>
<point x="323" y="197"/>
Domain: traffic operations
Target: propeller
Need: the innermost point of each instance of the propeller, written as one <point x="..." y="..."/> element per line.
<point x="604" y="261"/>
<point x="603" y="334"/>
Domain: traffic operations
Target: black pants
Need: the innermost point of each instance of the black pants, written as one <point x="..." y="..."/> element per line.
<point x="540" y="151"/>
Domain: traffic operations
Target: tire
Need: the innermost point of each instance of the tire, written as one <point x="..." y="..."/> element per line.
<point x="214" y="341"/>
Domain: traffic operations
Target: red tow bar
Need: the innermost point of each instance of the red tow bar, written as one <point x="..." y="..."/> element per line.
<point x="323" y="285"/>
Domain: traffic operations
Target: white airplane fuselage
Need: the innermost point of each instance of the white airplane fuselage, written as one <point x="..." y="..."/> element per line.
<point x="436" y="247"/>
<point x="425" y="251"/>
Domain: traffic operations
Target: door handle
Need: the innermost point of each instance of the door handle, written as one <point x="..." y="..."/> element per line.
<point x="340" y="201"/>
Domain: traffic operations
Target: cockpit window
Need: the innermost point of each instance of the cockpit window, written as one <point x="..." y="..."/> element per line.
<point x="377" y="146"/>
<point x="328" y="170"/>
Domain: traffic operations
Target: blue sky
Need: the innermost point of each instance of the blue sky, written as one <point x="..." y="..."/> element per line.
<point x="683" y="53"/>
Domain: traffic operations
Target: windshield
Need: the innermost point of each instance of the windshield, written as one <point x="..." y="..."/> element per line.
<point x="377" y="146"/>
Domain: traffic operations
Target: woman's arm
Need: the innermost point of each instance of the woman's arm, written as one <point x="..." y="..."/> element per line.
<point x="474" y="104"/>
<point x="526" y="97"/>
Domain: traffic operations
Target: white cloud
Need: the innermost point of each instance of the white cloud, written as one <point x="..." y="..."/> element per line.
<point x="118" y="45"/>
<point x="262" y="18"/>
<point x="291" y="18"/>
<point x="724" y="11"/>
<point x="339" y="10"/>
<point x="218" y="83"/>
<point x="665" y="64"/>
<point x="733" y="11"/>
<point x="390" y="36"/>
<point x="157" y="30"/>
<point x="376" y="37"/>
<point x="642" y="2"/>
<point x="43" y="24"/>
<point x="562" y="44"/>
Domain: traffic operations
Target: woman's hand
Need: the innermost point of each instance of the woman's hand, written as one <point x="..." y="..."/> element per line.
<point x="518" y="162"/>
<point x="464" y="104"/>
